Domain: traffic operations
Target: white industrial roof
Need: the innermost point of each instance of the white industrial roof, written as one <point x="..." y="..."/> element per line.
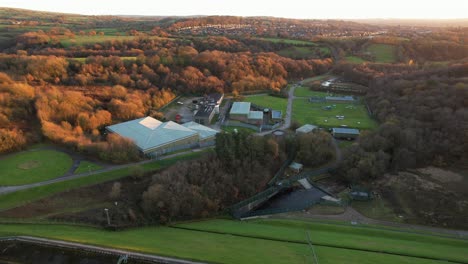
<point x="148" y="133"/>
<point x="256" y="115"/>
<point x="240" y="108"/>
<point x="345" y="130"/>
<point x="204" y="131"/>
<point x="307" y="128"/>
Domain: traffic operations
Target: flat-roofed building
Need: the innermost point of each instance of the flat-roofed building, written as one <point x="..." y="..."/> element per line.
<point x="348" y="133"/>
<point x="153" y="137"/>
<point x="207" y="136"/>
<point x="240" y="111"/>
<point x="340" y="99"/>
<point x="305" y="129"/>
<point x="276" y="115"/>
<point x="255" y="117"/>
<point x="205" y="114"/>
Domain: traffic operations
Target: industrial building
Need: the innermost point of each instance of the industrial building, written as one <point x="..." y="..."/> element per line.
<point x="348" y="133"/>
<point x="207" y="107"/>
<point x="154" y="138"/>
<point x="340" y="99"/>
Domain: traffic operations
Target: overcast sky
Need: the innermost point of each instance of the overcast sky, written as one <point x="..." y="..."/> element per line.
<point x="287" y="8"/>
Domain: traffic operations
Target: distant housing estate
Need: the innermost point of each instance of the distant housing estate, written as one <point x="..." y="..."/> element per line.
<point x="153" y="137"/>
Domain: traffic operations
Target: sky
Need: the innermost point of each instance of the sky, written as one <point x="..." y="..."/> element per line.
<point x="320" y="9"/>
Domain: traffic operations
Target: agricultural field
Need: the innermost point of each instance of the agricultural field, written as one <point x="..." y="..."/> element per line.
<point x="276" y="103"/>
<point x="354" y="59"/>
<point x="82" y="40"/>
<point x="262" y="241"/>
<point x="83" y="60"/>
<point x="290" y="41"/>
<point x="355" y="115"/>
<point x="33" y="166"/>
<point x="305" y="52"/>
<point x="383" y="53"/>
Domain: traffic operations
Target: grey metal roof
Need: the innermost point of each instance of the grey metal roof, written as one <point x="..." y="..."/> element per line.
<point x="345" y="130"/>
<point x="148" y="133"/>
<point x="205" y="111"/>
<point x="240" y="108"/>
<point x="306" y="128"/>
<point x="276" y="114"/>
<point x="203" y="131"/>
<point x="257" y="115"/>
<point x="339" y="98"/>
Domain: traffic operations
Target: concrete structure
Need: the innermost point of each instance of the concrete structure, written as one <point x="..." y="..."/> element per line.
<point x="340" y="99"/>
<point x="296" y="167"/>
<point x="153" y="137"/>
<point x="307" y="128"/>
<point x="206" y="135"/>
<point x="348" y="133"/>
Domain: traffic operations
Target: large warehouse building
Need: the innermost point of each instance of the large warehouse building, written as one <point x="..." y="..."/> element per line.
<point x="154" y="137"/>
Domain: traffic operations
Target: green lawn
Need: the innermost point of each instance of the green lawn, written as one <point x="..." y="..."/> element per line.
<point x="303" y="91"/>
<point x="83" y="60"/>
<point x="340" y="235"/>
<point x="305" y="112"/>
<point x="33" y="166"/>
<point x="22" y="197"/>
<point x="276" y="103"/>
<point x="221" y="248"/>
<point x="86" y="166"/>
<point x="354" y="59"/>
<point x="383" y="53"/>
<point x="82" y="40"/>
<point x="238" y="128"/>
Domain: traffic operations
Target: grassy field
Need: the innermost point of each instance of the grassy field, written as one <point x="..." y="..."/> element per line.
<point x="305" y="112"/>
<point x="86" y="166"/>
<point x="270" y="245"/>
<point x="276" y="103"/>
<point x="33" y="166"/>
<point x="304" y="52"/>
<point x="365" y="238"/>
<point x="83" y="60"/>
<point x="22" y="197"/>
<point x="238" y="128"/>
<point x="82" y="40"/>
<point x="290" y="41"/>
<point x="383" y="53"/>
<point x="354" y="59"/>
<point x="303" y="91"/>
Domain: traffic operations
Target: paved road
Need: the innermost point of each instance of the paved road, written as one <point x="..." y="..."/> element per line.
<point x="99" y="250"/>
<point x="10" y="189"/>
<point x="288" y="117"/>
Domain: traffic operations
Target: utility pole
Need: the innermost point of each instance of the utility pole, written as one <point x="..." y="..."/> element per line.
<point x="107" y="214"/>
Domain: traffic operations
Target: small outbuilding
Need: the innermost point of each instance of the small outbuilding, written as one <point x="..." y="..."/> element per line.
<point x="296" y="167"/>
<point x="347" y="133"/>
<point x="305" y="129"/>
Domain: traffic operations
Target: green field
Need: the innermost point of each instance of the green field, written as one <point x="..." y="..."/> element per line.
<point x="86" y="166"/>
<point x="305" y="112"/>
<point x="383" y="53"/>
<point x="22" y="197"/>
<point x="82" y="40"/>
<point x="304" y="52"/>
<point x="354" y="59"/>
<point x="303" y="91"/>
<point x="290" y="41"/>
<point x="238" y="128"/>
<point x="273" y="102"/>
<point x="264" y="241"/>
<point x="33" y="166"/>
<point x="316" y="78"/>
<point x="83" y="60"/>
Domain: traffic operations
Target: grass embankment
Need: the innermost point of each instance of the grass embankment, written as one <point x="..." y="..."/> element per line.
<point x="33" y="166"/>
<point x="87" y="166"/>
<point x="356" y="115"/>
<point x="383" y="53"/>
<point x="263" y="241"/>
<point x="273" y="102"/>
<point x="11" y="200"/>
<point x="346" y="236"/>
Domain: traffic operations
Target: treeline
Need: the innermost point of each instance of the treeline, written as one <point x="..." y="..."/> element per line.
<point x="241" y="167"/>
<point x="423" y="122"/>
